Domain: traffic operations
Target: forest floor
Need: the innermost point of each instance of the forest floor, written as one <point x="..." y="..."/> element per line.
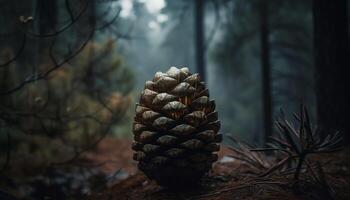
<point x="228" y="180"/>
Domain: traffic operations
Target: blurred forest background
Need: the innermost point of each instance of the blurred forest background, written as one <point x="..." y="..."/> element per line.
<point x="71" y="72"/>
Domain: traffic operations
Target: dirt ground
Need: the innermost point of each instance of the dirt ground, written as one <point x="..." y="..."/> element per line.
<point x="226" y="181"/>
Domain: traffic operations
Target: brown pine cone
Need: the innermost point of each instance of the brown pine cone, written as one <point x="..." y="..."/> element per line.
<point x="176" y="128"/>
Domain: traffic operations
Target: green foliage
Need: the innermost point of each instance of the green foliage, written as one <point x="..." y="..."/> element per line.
<point x="57" y="120"/>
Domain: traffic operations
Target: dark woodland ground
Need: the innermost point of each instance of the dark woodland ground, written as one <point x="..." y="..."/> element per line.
<point x="228" y="180"/>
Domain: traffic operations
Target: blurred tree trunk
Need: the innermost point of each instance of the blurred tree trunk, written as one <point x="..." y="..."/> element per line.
<point x="47" y="15"/>
<point x="47" y="12"/>
<point x="265" y="64"/>
<point x="89" y="78"/>
<point x="46" y="24"/>
<point x="331" y="54"/>
<point x="199" y="35"/>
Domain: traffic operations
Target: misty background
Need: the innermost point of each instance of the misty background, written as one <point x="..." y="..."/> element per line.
<point x="164" y="35"/>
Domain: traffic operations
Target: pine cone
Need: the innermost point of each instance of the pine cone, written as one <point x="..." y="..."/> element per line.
<point x="176" y="128"/>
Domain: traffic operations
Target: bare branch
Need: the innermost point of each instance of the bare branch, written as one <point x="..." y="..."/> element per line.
<point x="72" y="22"/>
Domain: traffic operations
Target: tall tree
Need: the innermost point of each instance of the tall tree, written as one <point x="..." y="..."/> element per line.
<point x="266" y="69"/>
<point x="89" y="78"/>
<point x="331" y="54"/>
<point x="47" y="11"/>
<point x="199" y="35"/>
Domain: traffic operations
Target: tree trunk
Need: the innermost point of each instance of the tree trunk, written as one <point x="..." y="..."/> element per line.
<point x="331" y="54"/>
<point x="89" y="78"/>
<point x="47" y="16"/>
<point x="265" y="64"/>
<point x="46" y="23"/>
<point x="199" y="42"/>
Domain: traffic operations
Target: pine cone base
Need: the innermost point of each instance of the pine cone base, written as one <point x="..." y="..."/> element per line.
<point x="174" y="176"/>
